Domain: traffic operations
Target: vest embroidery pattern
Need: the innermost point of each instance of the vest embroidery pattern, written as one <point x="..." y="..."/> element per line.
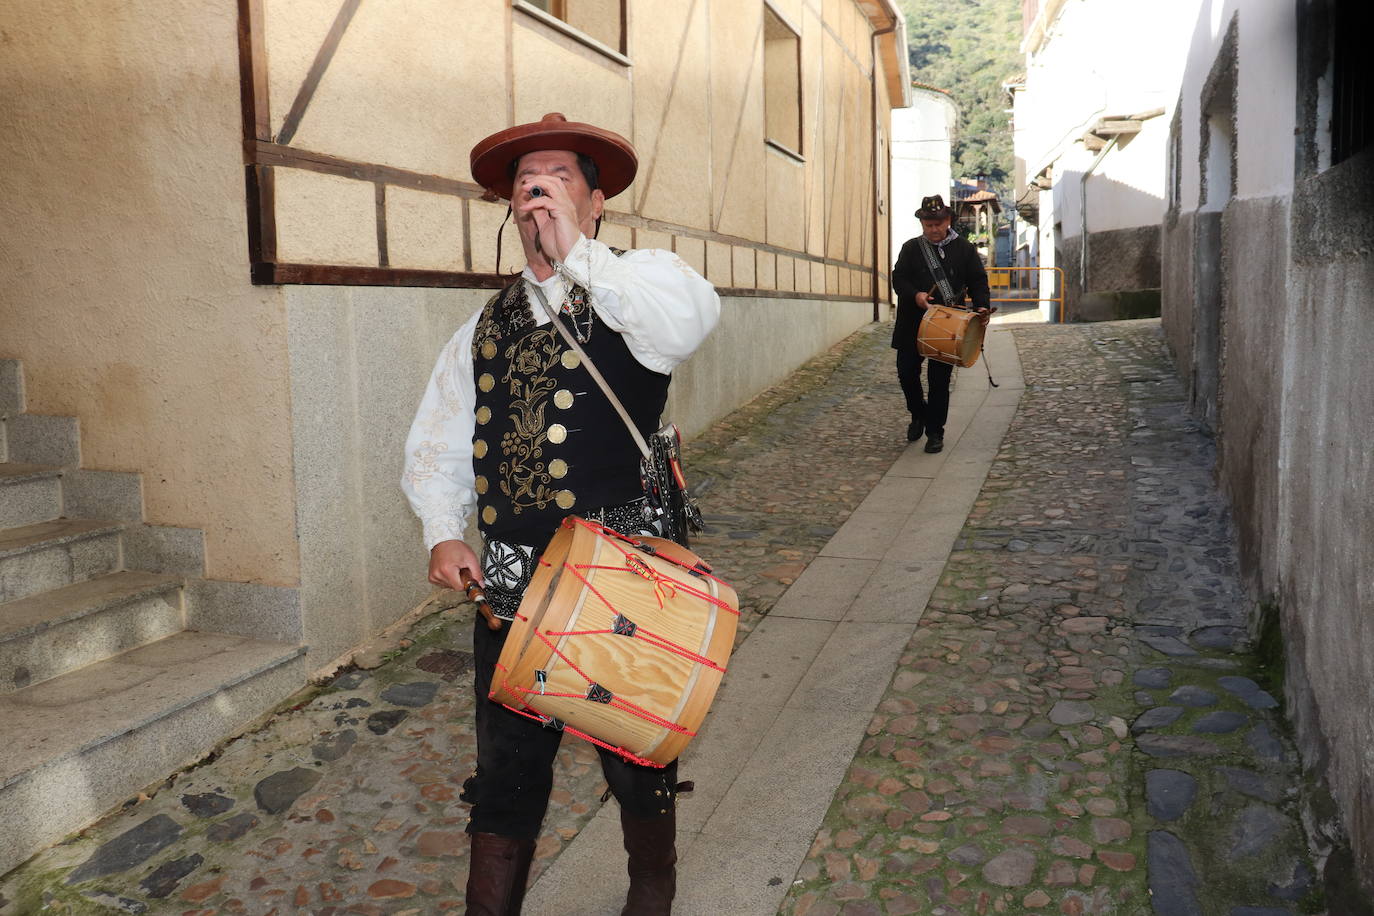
<point x="532" y="356"/>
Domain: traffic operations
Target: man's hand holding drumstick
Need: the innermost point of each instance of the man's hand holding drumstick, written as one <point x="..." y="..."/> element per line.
<point x="453" y="564"/>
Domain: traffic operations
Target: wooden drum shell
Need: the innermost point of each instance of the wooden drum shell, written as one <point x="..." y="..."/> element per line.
<point x="950" y="335"/>
<point x="635" y="670"/>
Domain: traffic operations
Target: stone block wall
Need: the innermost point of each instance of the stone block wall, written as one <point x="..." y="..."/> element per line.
<point x="1119" y="260"/>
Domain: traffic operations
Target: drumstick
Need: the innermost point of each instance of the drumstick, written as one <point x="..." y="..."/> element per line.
<point x="479" y="598"/>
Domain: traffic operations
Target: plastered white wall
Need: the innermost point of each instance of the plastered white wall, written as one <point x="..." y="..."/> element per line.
<point x="921" y="139"/>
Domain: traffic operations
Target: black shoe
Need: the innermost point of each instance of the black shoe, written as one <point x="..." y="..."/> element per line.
<point x="934" y="444"/>
<point x="913" y="431"/>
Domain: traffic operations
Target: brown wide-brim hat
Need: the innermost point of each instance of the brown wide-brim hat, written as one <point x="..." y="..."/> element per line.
<point x="614" y="156"/>
<point x="933" y="207"/>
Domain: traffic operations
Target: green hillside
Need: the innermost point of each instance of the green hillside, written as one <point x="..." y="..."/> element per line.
<point x="968" y="48"/>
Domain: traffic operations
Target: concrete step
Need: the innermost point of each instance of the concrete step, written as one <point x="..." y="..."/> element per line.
<point x="78" y="745"/>
<point x="48" y="555"/>
<point x="109" y="495"/>
<point x="49" y="634"/>
<point x="43" y="439"/>
<point x="29" y="493"/>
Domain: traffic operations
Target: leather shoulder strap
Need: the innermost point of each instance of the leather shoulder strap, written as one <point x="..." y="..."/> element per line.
<point x="595" y="373"/>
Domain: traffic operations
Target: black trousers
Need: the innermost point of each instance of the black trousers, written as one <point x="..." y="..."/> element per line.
<point x="930" y="411"/>
<point x="515" y="757"/>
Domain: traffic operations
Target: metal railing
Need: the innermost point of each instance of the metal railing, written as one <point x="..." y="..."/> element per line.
<point x="1002" y="277"/>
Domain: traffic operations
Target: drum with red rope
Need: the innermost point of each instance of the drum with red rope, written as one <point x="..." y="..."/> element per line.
<point x="622" y="641"/>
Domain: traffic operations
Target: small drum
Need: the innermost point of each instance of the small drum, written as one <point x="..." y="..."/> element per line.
<point x="621" y="641"/>
<point x="950" y="335"/>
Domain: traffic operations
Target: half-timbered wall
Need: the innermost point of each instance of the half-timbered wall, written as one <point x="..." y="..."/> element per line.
<point x="362" y="163"/>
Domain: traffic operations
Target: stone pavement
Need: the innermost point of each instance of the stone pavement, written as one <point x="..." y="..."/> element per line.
<point x="1091" y="594"/>
<point x="1077" y="726"/>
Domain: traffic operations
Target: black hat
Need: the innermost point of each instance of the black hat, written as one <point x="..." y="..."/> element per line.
<point x="933" y="207"/>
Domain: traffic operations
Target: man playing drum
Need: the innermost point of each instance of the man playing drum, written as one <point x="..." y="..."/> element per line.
<point x="513" y="429"/>
<point x="918" y="287"/>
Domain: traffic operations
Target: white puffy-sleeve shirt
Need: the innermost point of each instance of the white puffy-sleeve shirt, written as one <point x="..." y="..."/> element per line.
<point x="662" y="307"/>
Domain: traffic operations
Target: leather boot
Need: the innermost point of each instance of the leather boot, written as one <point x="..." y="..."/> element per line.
<point x="497" y="872"/>
<point x="651" y="843"/>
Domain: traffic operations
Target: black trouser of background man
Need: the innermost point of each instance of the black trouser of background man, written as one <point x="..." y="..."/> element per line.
<point x="515" y="757"/>
<point x="927" y="412"/>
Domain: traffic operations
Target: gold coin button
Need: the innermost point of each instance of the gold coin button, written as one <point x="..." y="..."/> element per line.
<point x="484" y="415"/>
<point x="563" y="398"/>
<point x="558" y="468"/>
<point x="481" y="485"/>
<point x="488" y="515"/>
<point x="488" y="349"/>
<point x="479" y="448"/>
<point x="565" y="499"/>
<point x="570" y="360"/>
<point x="486" y="382"/>
<point x="558" y="433"/>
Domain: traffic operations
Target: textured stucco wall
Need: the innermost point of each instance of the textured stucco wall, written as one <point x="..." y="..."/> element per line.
<point x="921" y="138"/>
<point x="1127" y="189"/>
<point x="124" y="251"/>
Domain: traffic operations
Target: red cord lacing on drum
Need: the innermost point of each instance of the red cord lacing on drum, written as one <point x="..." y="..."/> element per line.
<point x="662" y="585"/>
<point x="613" y="536"/>
<point x="616" y="701"/>
<point x="629" y="755"/>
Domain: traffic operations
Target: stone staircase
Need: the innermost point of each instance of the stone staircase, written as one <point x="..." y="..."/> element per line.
<point x="103" y="689"/>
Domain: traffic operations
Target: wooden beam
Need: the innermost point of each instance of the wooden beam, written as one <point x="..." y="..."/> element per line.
<point x="276" y="154"/>
<point x="347" y="275"/>
<point x="262" y="213"/>
<point x="323" y="57"/>
<point x="253" y="94"/>
<point x="1108" y="128"/>
<point x="383" y="254"/>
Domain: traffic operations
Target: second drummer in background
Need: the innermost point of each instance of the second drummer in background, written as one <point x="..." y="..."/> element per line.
<point x="917" y="288"/>
<point x="513" y="429"/>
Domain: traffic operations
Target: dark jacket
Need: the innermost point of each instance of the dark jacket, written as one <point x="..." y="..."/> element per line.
<point x="912" y="275"/>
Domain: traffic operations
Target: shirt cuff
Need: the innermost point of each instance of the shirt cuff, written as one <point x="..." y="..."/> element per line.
<point x="444" y="528"/>
<point x="577" y="266"/>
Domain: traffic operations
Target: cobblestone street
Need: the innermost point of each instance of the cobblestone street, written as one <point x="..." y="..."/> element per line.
<point x="1079" y="709"/>
<point x="1079" y="726"/>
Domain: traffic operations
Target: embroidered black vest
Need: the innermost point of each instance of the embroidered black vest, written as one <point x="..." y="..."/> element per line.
<point x="547" y="443"/>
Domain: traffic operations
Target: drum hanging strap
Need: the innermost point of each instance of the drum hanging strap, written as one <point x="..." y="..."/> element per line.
<point x="937" y="270"/>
